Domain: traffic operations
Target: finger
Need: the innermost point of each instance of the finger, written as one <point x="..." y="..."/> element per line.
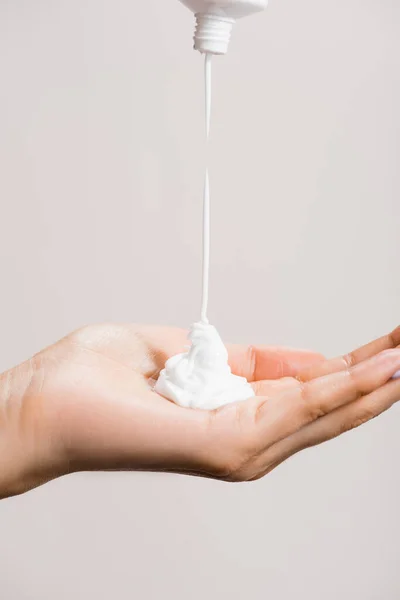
<point x="340" y="363"/>
<point x="295" y="408"/>
<point x="339" y="421"/>
<point x="349" y="417"/>
<point x="253" y="362"/>
<point x="257" y="363"/>
<point x="336" y="423"/>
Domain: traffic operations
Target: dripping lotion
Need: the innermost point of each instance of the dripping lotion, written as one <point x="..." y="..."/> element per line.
<point x="206" y="195"/>
<point x="201" y="377"/>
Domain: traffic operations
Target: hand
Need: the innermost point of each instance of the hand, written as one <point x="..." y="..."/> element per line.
<point x="86" y="403"/>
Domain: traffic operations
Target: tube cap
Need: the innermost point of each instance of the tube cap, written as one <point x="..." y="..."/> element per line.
<point x="213" y="33"/>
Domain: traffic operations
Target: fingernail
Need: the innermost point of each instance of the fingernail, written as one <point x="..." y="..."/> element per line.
<point x="390" y="361"/>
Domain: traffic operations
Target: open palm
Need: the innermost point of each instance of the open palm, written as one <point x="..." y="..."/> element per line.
<point x="87" y="403"/>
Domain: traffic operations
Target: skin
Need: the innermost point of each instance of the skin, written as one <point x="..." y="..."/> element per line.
<point x="86" y="403"/>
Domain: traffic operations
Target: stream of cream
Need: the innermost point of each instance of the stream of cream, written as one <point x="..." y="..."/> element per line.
<point x="206" y="197"/>
<point x="201" y="377"/>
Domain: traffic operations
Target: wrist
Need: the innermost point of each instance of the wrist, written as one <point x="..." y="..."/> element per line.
<point x="27" y="449"/>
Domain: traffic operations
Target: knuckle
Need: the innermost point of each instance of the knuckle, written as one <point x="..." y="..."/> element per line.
<point x="356" y="382"/>
<point x="252" y="361"/>
<point x="349" y="360"/>
<point x="87" y="332"/>
<point x="96" y="334"/>
<point x="362" y="418"/>
<point x="310" y="409"/>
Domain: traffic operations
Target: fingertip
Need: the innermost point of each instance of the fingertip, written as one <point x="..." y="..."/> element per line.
<point x="384" y="365"/>
<point x="392" y="355"/>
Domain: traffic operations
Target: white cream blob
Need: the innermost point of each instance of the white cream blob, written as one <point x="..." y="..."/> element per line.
<point x="201" y="377"/>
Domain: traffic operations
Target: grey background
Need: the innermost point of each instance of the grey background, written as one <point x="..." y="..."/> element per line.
<point x="101" y="159"/>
